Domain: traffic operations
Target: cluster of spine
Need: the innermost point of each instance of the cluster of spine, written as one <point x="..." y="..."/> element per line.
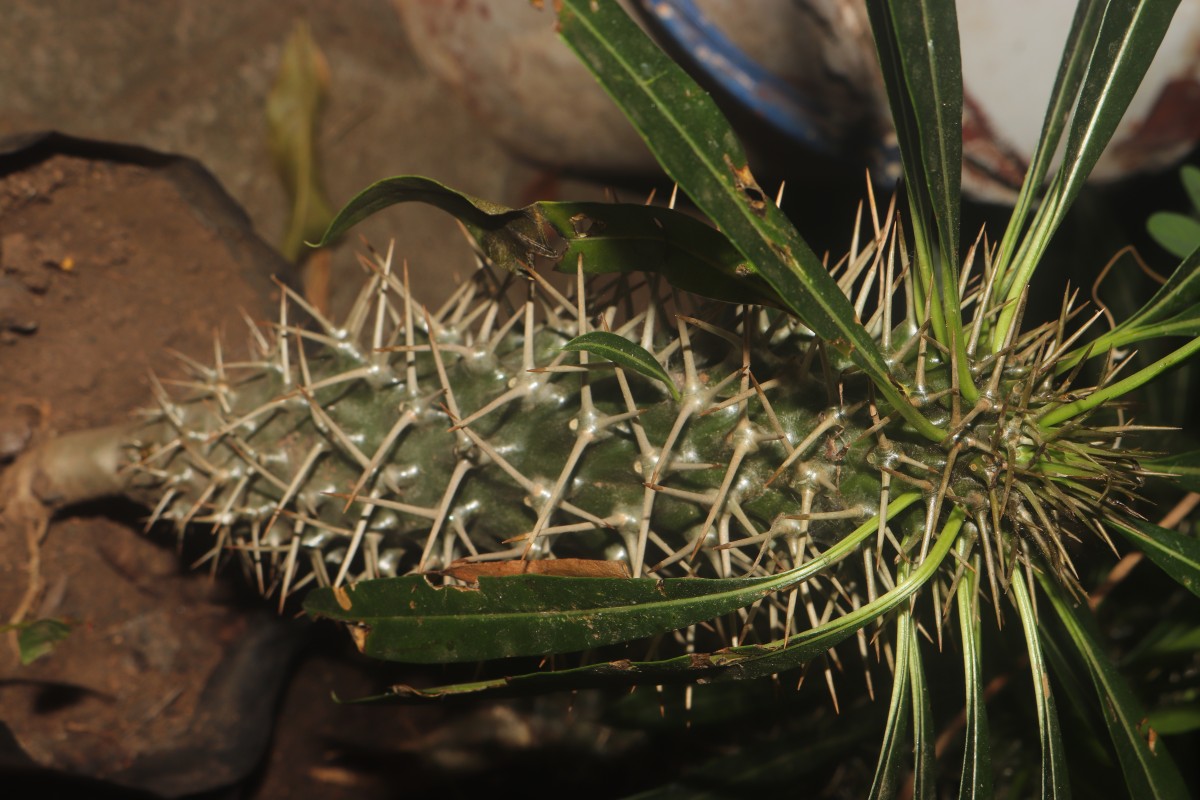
<point x="404" y="441"/>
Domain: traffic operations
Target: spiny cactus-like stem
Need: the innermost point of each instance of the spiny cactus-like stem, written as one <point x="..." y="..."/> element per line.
<point x="403" y="439"/>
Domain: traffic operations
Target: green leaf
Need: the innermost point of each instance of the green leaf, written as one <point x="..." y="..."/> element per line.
<point x="1076" y="55"/>
<point x="886" y="783"/>
<point x="1174" y="310"/>
<point x="924" y="736"/>
<point x="1072" y="685"/>
<point x="1054" y="766"/>
<point x="1189" y="176"/>
<point x="38" y="637"/>
<point x="1176" y="233"/>
<point x="975" y="782"/>
<point x="927" y="41"/>
<point x="608" y="238"/>
<point x="1129" y="35"/>
<point x="1176" y="554"/>
<point x="1184" y="467"/>
<point x="918" y="47"/>
<point x="624" y="353"/>
<point x="698" y="149"/>
<point x="407" y="619"/>
<point x="1149" y="773"/>
<point x="735" y="663"/>
<point x="1178" y="295"/>
<point x="1175" y="719"/>
<point x="511" y="238"/>
<point x="601" y="238"/>
<point x="1168" y="637"/>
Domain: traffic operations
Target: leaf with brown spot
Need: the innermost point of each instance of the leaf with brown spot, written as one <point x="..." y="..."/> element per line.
<point x="471" y="571"/>
<point x="409" y="619"/>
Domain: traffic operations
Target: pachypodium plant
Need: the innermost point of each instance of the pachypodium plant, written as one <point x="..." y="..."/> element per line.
<point x="859" y="452"/>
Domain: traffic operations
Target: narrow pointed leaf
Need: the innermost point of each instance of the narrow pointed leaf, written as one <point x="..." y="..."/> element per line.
<point x="806" y="645"/>
<point x="976" y="777"/>
<point x="1149" y="772"/>
<point x="605" y="238"/>
<point x="1181" y="293"/>
<point x="927" y="41"/>
<point x="734" y="663"/>
<point x="1169" y="637"/>
<point x="886" y="783"/>
<point x="1174" y="310"/>
<point x="1129" y="36"/>
<point x="924" y="736"/>
<point x="407" y="619"/>
<point x="510" y="237"/>
<point x="1077" y="53"/>
<point x="1054" y="765"/>
<point x="1185" y="467"/>
<point x="623" y="353"/>
<point x="696" y="146"/>
<point x="1185" y="324"/>
<point x="1062" y="413"/>
<point x="918" y="48"/>
<point x="908" y="136"/>
<point x="293" y="112"/>
<point x="601" y="238"/>
<point x="1175" y="719"/>
<point x="1070" y="680"/>
<point x="1176" y="554"/>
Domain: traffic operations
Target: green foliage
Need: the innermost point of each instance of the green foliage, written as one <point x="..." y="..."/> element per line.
<point x="1179" y="234"/>
<point x="974" y="391"/>
<point x="697" y="147"/>
<point x="1149" y="771"/>
<point x="837" y="456"/>
<point x="924" y="86"/>
<point x="1119" y="40"/>
<point x="530" y="615"/>
<point x="38" y="637"/>
<point x="1183" y="468"/>
<point x="1174" y="310"/>
<point x="600" y="237"/>
<point x="1177" y="554"/>
<point x="623" y="353"/>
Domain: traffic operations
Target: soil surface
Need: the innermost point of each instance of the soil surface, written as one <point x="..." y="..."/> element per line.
<point x="107" y="268"/>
